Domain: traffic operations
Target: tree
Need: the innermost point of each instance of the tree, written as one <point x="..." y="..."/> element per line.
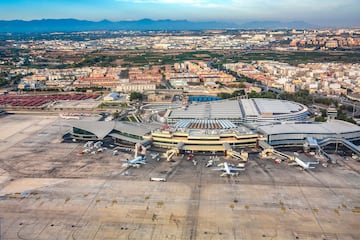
<point x="323" y="113"/>
<point x="254" y="94"/>
<point x="116" y="114"/>
<point x="224" y="95"/>
<point x="320" y="119"/>
<point x="135" y="96"/>
<point x="342" y="116"/>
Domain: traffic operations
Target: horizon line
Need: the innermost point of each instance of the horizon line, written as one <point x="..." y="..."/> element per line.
<point x="235" y="22"/>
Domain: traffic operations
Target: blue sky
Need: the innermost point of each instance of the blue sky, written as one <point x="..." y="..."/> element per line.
<point x="322" y="12"/>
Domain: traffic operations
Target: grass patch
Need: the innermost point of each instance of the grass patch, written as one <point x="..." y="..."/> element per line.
<point x="356" y="210"/>
<point x="131" y="119"/>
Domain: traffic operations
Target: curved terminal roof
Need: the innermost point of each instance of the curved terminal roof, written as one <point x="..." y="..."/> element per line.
<point x="332" y="127"/>
<point x="274" y="107"/>
<point x="245" y="110"/>
<point x="209" y="110"/>
<point x="103" y="128"/>
<point x="99" y="128"/>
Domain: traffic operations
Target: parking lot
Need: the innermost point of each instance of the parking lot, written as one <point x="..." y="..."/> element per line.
<point x="49" y="190"/>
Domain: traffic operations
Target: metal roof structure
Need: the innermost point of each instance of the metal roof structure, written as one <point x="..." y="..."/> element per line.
<point x="249" y="108"/>
<point x="205" y="124"/>
<point x="331" y="127"/>
<point x="121" y="137"/>
<point x="103" y="128"/>
<point x="243" y="110"/>
<point x="209" y="110"/>
<point x="99" y="128"/>
<point x="276" y="106"/>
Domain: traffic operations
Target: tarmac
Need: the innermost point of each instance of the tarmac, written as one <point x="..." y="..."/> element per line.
<point x="48" y="190"/>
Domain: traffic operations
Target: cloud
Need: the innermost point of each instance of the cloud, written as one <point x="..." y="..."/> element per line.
<point x="166" y="1"/>
<point x="239" y="4"/>
<point x="193" y="3"/>
<point x="327" y="10"/>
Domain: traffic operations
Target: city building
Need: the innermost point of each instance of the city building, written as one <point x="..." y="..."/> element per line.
<point x="138" y="87"/>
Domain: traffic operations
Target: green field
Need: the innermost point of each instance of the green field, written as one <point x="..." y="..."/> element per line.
<point x="295" y="58"/>
<point x="128" y="58"/>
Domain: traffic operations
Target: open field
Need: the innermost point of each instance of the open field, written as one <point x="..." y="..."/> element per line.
<point x="297" y="57"/>
<point x="49" y="191"/>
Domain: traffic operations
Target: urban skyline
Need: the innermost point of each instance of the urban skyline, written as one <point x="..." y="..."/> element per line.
<point x="323" y="13"/>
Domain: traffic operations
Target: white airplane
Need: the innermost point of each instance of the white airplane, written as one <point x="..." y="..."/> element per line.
<point x="228" y="170"/>
<point x="136" y="162"/>
<point x="88" y="144"/>
<point x="98" y="144"/>
<point x="210" y="163"/>
<point x="304" y="165"/>
<point x="154" y="155"/>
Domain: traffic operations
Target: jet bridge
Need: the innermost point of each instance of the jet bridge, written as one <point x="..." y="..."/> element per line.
<point x="346" y="143"/>
<point x="242" y="156"/>
<point x="269" y="150"/>
<point x="171" y="152"/>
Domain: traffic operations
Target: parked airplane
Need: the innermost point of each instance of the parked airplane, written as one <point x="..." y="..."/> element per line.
<point x="89" y="144"/>
<point x="210" y="163"/>
<point x="136" y="162"/>
<point x="228" y="170"/>
<point x="154" y="155"/>
<point x="304" y="165"/>
<point x="98" y="144"/>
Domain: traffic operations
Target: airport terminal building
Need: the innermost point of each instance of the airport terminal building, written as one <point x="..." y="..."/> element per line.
<point x="122" y="133"/>
<point x="255" y="110"/>
<point x="211" y="126"/>
<point x="204" y="135"/>
<point x="220" y="125"/>
<point x="296" y="133"/>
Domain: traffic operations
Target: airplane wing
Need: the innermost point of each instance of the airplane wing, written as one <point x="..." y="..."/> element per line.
<point x="233" y="169"/>
<point x="218" y="169"/>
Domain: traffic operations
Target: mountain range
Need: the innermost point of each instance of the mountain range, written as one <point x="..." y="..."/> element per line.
<point x="74" y="25"/>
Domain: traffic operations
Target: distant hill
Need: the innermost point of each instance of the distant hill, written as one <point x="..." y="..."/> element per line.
<point x="277" y="25"/>
<point x="73" y="25"/>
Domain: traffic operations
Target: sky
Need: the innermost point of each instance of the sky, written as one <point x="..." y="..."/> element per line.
<point x="337" y="13"/>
